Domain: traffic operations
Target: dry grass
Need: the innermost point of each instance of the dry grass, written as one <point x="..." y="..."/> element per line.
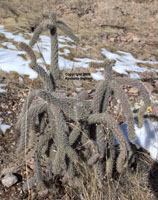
<point x="133" y="184"/>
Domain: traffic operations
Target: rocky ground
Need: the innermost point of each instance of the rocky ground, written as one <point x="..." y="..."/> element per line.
<point x="127" y="25"/>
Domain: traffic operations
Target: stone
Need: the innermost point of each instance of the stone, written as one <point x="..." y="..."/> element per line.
<point x="30" y="163"/>
<point x="43" y="193"/>
<point x="74" y="94"/>
<point x="9" y="180"/>
<point x="156" y="84"/>
<point x="123" y="39"/>
<point x="133" y="91"/>
<point x="112" y="39"/>
<point x="136" y="38"/>
<point x="1" y="148"/>
<point x="2" y="36"/>
<point x="149" y="87"/>
<point x="154" y="109"/>
<point x="147" y="75"/>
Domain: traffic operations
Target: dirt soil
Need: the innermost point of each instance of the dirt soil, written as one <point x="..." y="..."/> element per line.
<point x="126" y="25"/>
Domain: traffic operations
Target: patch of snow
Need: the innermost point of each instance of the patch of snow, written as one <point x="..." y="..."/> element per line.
<point x="4" y="127"/>
<point x="64" y="63"/>
<point x="9" y="180"/>
<point x="11" y="61"/>
<point x="2" y="85"/>
<point x="16" y="37"/>
<point x="21" y="80"/>
<point x="79" y="89"/>
<point x="134" y="75"/>
<point x="110" y="55"/>
<point x="97" y="76"/>
<point x="9" y="45"/>
<point x="146" y="137"/>
<point x="125" y="62"/>
<point x="63" y="38"/>
<point x="65" y="52"/>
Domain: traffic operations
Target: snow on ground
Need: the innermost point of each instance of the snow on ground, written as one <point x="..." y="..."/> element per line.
<point x="146" y="137"/>
<point x="125" y="63"/>
<point x="1" y="89"/>
<point x="4" y="127"/>
<point x="10" y="59"/>
<point x="97" y="76"/>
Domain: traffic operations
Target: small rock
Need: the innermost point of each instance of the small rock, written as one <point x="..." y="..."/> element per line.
<point x="156" y="84"/>
<point x="74" y="94"/>
<point x="79" y="89"/>
<point x="133" y="91"/>
<point x="112" y="39"/>
<point x="149" y="87"/>
<point x="2" y="36"/>
<point x="136" y="38"/>
<point x="9" y="180"/>
<point x="105" y="37"/>
<point x="147" y="75"/>
<point x="33" y="195"/>
<point x="123" y="39"/>
<point x="1" y="132"/>
<point x="1" y="148"/>
<point x="154" y="109"/>
<point x="43" y="193"/>
<point x="30" y="163"/>
<point x="83" y="95"/>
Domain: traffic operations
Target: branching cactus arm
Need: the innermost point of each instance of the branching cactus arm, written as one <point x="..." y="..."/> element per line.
<point x="25" y="107"/>
<point x="48" y="83"/>
<point x="120" y="94"/>
<point x="67" y="30"/>
<point x="125" y="149"/>
<point x="23" y="46"/>
<point x="27" y="123"/>
<point x="63" y="147"/>
<point x="99" y="104"/>
<point x="110" y="155"/>
<point x="98" y="97"/>
<point x="38" y="170"/>
<point x="54" y="66"/>
<point x="142" y="91"/>
<point x="42" y="27"/>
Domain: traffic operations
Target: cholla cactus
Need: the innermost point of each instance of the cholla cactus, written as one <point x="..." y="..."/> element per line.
<point x="114" y="84"/>
<point x="76" y="127"/>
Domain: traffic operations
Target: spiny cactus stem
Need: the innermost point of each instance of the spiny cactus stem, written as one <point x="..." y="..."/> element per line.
<point x="54" y="67"/>
<point x="30" y="52"/>
<point x="111" y="123"/>
<point x="67" y="30"/>
<point x="119" y="93"/>
<point x="42" y="27"/>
